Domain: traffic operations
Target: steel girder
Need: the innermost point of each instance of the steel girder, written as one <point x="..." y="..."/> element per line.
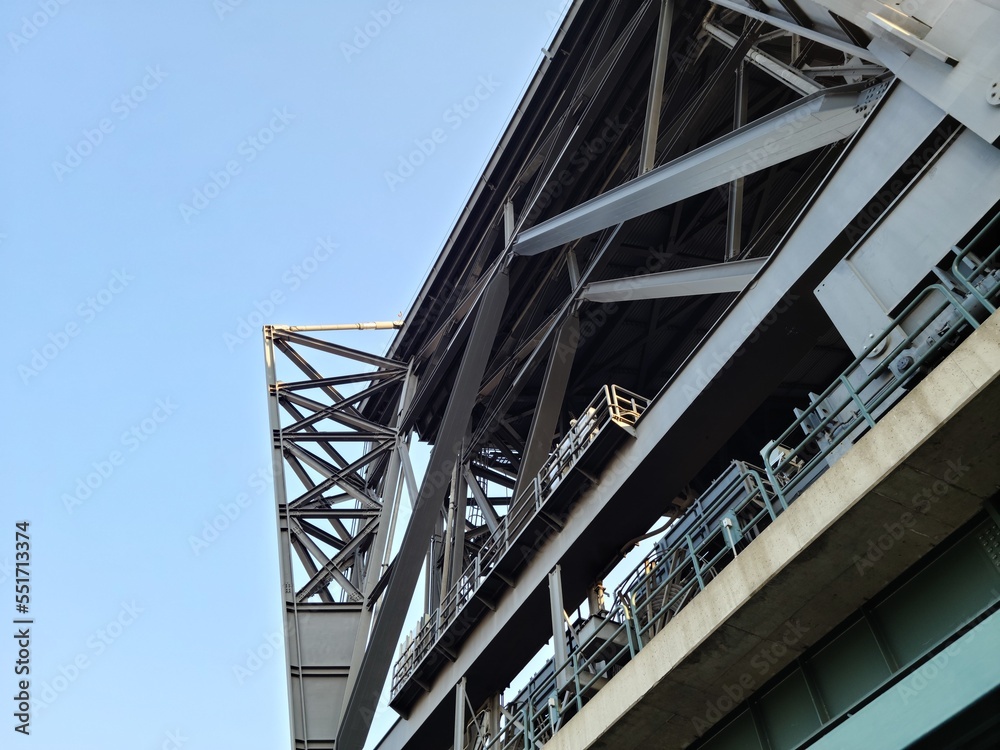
<point x="446" y="452"/>
<point x="816" y="120"/>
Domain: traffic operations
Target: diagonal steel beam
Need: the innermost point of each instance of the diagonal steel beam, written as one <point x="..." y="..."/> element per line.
<point x="342" y="351"/>
<point x="803" y="31"/>
<point x="390" y="619"/>
<point x="489" y="513"/>
<point x="812" y="122"/>
<point x="334" y="412"/>
<point x="303" y="538"/>
<point x="686" y="282"/>
<point x="549" y="403"/>
<point x="331" y="569"/>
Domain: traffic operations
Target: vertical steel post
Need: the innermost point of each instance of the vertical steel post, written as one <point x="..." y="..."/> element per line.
<point x="734" y="221"/>
<point x="289" y="606"/>
<point x="561" y="656"/>
<point x="654" y="103"/>
<point x="458" y="742"/>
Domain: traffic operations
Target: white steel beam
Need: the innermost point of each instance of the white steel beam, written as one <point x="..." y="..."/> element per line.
<point x="686" y="282"/>
<point x="816" y="36"/>
<point x="778" y="70"/>
<point x="813" y="122"/>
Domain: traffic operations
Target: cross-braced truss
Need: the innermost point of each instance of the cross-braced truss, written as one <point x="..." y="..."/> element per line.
<point x="337" y="486"/>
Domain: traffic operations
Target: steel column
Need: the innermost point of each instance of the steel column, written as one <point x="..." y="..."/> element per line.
<point x="459" y="737"/>
<point x="647" y="158"/>
<point x="389" y="622"/>
<point x="549" y="404"/>
<point x="556" y="609"/>
<point x="293" y="649"/>
<point x="383" y="538"/>
<point x="734" y="219"/>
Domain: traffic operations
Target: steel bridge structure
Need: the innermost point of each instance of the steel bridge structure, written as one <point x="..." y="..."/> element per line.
<point x="732" y="270"/>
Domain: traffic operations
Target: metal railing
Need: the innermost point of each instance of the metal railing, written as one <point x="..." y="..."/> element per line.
<point x="669" y="577"/>
<point x="612" y="405"/>
<point x="841" y="420"/>
<point x="965" y="255"/>
<point x="656" y="590"/>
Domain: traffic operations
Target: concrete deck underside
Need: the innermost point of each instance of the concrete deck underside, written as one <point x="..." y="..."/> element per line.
<point x="927" y="467"/>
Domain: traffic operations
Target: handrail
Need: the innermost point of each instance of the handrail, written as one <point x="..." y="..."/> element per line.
<point x="979" y="268"/>
<point x="705" y="549"/>
<point x="864" y="408"/>
<point x="611" y="405"/>
<point x="543" y="705"/>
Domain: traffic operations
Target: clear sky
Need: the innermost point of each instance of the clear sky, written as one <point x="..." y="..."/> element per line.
<point x="166" y="168"/>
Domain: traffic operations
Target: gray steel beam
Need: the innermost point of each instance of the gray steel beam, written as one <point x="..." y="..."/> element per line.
<point x="457" y="533"/>
<point x="654" y="103"/>
<point x="714" y="279"/>
<point x="692" y="398"/>
<point x="489" y="513"/>
<point x="549" y="403"/>
<point x="556" y="610"/>
<point x="390" y="507"/>
<point x="778" y="70"/>
<point x="341" y="351"/>
<point x="815" y="121"/>
<point x="453" y="523"/>
<point x="816" y="36"/>
<point x="299" y="726"/>
<point x="458" y="741"/>
<point x="734" y="218"/>
<point x="390" y="620"/>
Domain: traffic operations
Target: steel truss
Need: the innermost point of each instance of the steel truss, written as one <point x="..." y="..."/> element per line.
<point x="338" y="483"/>
<point x="754" y="151"/>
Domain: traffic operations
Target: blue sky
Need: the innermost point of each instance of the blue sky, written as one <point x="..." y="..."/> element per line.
<point x="174" y="173"/>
